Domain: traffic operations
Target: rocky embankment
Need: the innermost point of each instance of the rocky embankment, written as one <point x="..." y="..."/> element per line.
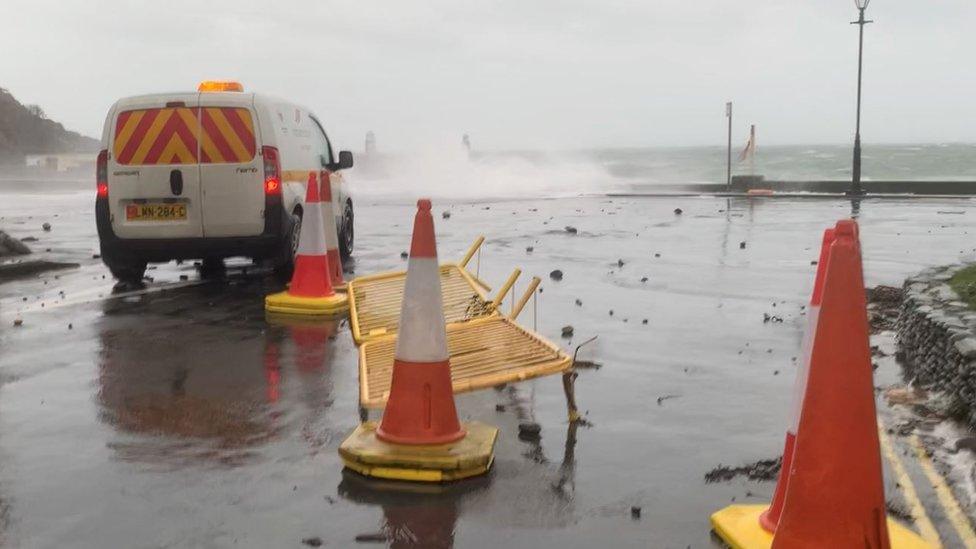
<point x="937" y="339"/>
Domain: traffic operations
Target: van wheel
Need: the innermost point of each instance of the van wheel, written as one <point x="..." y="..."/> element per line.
<point x="123" y="267"/>
<point x="348" y="235"/>
<point x="284" y="263"/>
<point x="212" y="268"/>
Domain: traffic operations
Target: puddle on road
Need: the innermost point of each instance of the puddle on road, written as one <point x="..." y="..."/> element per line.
<point x="186" y="417"/>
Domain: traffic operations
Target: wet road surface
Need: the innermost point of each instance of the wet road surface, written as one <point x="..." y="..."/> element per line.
<point x="181" y="417"/>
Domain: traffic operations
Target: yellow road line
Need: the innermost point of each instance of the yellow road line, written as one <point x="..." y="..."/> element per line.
<point x="925" y="527"/>
<point x="953" y="511"/>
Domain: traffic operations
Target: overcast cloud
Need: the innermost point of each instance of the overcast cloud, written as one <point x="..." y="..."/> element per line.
<point x="517" y="73"/>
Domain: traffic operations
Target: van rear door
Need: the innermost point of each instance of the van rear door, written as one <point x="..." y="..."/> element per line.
<point x="153" y="169"/>
<point x="231" y="171"/>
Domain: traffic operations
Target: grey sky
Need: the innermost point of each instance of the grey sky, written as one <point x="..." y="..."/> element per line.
<point x="515" y="73"/>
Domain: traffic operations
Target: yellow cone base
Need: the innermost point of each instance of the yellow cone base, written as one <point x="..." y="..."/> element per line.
<point x="285" y="303"/>
<point x="738" y="526"/>
<point x="471" y="456"/>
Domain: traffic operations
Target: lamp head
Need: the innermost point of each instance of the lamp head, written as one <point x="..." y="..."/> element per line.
<point x="862" y="4"/>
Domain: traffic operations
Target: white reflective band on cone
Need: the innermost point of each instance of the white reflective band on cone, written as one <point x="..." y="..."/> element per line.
<point x="312" y="240"/>
<point x="806" y="348"/>
<point x="423" y="337"/>
<point x="331" y="238"/>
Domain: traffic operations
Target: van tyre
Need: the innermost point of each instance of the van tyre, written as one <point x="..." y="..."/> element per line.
<point x="124" y="267"/>
<point x="212" y="268"/>
<point x="347" y="234"/>
<point x="284" y="263"/>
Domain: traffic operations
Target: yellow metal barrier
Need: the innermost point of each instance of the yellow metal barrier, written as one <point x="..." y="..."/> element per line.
<point x="471" y="251"/>
<point x="517" y="310"/>
<point x="374" y="300"/>
<point x="485" y="352"/>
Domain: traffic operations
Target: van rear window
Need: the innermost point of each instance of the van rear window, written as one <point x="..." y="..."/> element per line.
<point x="184" y="135"/>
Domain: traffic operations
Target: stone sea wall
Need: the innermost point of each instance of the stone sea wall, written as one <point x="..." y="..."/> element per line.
<point x="937" y="339"/>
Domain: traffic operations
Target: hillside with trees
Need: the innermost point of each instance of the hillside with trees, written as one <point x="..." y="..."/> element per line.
<point x="24" y="129"/>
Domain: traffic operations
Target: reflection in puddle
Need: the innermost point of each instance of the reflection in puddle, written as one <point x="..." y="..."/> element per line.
<point x="207" y="393"/>
<point x="414" y="515"/>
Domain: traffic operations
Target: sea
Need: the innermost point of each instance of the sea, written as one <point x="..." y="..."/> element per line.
<point x="458" y="173"/>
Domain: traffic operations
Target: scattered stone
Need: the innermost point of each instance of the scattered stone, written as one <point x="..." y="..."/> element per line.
<point x="499" y="407"/>
<point x="742" y="245"/>
<point x="620" y="262"/>
<point x="611" y="312"/>
<point x="378" y="537"/>
<point x="579" y="303"/>
<point x="644" y="279"/>
<point x="529" y="249"/>
<point x="529" y="431"/>
<point x="313" y="542"/>
<point x="661" y="399"/>
<point x="70" y="327"/>
<point x="10" y="246"/>
<point x="46" y="226"/>
<point x="18" y="322"/>
<point x="678" y="211"/>
<point x="762" y="470"/>
<point x="96" y="256"/>
<point x="446" y="215"/>
<point x="635" y="512"/>
<point x="898" y="511"/>
<point x="567" y="331"/>
<point x="570" y="229"/>
<point x="644" y="321"/>
<point x="905" y="395"/>
<point x="966" y="443"/>
<point x="889" y="295"/>
<point x="657" y="255"/>
<point x="404" y="255"/>
<point x="556" y="275"/>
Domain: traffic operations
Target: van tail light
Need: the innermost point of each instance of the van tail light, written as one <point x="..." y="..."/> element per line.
<point x="101" y="174"/>
<point x="272" y="171"/>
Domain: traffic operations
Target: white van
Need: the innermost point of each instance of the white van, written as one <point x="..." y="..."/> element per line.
<point x="208" y="175"/>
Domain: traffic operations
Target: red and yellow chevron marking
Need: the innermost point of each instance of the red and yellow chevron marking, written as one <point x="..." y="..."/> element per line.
<point x="157" y="136"/>
<point x="228" y="135"/>
<point x="182" y="135"/>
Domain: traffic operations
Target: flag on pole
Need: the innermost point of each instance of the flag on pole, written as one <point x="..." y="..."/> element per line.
<point x="728" y="108"/>
<point x="750" y="150"/>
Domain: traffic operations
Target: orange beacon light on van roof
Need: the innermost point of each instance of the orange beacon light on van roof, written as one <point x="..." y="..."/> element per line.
<point x="220" y="86"/>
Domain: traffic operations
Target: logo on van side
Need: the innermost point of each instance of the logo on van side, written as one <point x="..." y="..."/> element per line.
<point x="247" y="170"/>
<point x="126" y="172"/>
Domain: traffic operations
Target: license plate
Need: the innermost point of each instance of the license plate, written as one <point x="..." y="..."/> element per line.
<point x="155" y="212"/>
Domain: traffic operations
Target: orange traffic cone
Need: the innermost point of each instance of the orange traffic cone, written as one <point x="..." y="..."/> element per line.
<point x="770" y="518"/>
<point x="835" y="495"/>
<point x="420" y="437"/>
<point x="331" y="236"/>
<point x="420" y="409"/>
<point x="311" y="291"/>
<point x="834" y="491"/>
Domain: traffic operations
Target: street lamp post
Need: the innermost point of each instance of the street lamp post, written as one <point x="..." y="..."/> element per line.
<point x="728" y="151"/>
<point x="856" y="172"/>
